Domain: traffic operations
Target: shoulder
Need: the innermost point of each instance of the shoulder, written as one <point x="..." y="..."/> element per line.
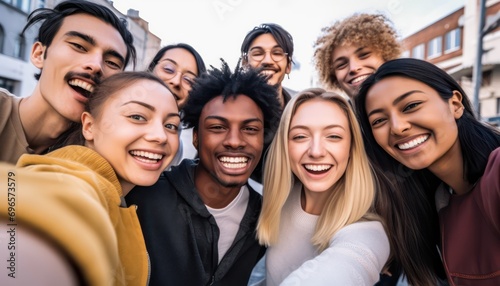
<point x="492" y="168"/>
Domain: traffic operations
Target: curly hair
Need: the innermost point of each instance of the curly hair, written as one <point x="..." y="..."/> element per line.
<point x="223" y="82"/>
<point x="365" y="30"/>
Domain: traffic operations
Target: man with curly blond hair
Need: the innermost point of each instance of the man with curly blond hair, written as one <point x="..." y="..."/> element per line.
<point x="350" y="50"/>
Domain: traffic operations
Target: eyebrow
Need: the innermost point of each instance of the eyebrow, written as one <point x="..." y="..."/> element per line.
<point x="343" y="57"/>
<point x="246" y="121"/>
<point x="261" y="48"/>
<point x="397" y="100"/>
<point x="177" y="65"/>
<point x="150" y="107"/>
<point x="89" y="39"/>
<point x="326" y="127"/>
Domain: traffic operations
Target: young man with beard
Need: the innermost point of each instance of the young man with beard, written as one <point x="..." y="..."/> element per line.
<point x="269" y="47"/>
<point x="78" y="44"/>
<point x="199" y="219"/>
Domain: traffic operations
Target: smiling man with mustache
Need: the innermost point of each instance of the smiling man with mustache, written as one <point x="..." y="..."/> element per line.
<point x="79" y="43"/>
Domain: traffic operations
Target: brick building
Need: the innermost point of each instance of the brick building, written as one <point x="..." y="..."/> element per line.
<point x="451" y="43"/>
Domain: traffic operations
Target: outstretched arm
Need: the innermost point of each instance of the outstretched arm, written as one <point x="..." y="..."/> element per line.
<point x="356" y="256"/>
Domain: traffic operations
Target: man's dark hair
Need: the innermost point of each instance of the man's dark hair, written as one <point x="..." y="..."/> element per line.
<point x="200" y="64"/>
<point x="223" y="82"/>
<point x="52" y="20"/>
<point x="282" y="37"/>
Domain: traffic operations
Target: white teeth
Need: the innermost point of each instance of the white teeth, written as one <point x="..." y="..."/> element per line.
<point x="234" y="166"/>
<point x="317" y="168"/>
<point x="80" y="83"/>
<point x="234" y="162"/>
<point x="147" y="155"/>
<point x="233" y="159"/>
<point x="267" y="72"/>
<point x="413" y="143"/>
<point x="359" y="79"/>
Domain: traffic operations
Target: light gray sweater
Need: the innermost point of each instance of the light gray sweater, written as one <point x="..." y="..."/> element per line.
<point x="355" y="256"/>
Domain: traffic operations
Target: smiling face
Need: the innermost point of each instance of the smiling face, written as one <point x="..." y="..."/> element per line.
<point x="412" y="123"/>
<point x="352" y="65"/>
<point x="136" y="131"/>
<point x="177" y="69"/>
<point x="229" y="140"/>
<point x="84" y="51"/>
<point x="276" y="70"/>
<point x="319" y="143"/>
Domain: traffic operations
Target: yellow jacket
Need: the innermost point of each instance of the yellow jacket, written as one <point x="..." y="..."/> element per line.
<point x="72" y="195"/>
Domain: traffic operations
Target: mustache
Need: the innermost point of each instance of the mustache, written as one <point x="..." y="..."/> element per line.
<point x="95" y="78"/>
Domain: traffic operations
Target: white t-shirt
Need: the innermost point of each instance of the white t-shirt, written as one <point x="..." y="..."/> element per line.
<point x="229" y="218"/>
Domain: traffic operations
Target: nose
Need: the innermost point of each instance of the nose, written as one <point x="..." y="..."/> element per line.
<point x="354" y="66"/>
<point x="156" y="133"/>
<point x="94" y="64"/>
<point x="399" y="125"/>
<point x="234" y="139"/>
<point x="316" y="148"/>
<point x="267" y="58"/>
<point x="176" y="80"/>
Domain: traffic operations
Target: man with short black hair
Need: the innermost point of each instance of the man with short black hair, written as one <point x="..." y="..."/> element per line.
<point x="199" y="219"/>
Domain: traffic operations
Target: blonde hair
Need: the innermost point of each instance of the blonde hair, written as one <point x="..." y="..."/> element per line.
<point x="349" y="202"/>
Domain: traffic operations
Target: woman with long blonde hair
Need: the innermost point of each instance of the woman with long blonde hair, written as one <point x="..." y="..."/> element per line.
<point x="317" y="217"/>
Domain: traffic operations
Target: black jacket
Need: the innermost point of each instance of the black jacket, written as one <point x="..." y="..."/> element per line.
<point x="181" y="235"/>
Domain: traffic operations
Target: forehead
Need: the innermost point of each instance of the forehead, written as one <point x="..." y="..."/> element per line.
<point x="180" y="56"/>
<point x="320" y="112"/>
<point x="239" y="108"/>
<point x="144" y="90"/>
<point x="264" y="41"/>
<point x="104" y="34"/>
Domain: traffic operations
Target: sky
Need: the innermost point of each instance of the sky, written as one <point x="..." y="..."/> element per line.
<point x="216" y="28"/>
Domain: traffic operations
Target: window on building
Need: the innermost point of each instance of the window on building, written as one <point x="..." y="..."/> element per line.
<point x="2" y="39"/>
<point x="418" y="52"/>
<point x="434" y="47"/>
<point x="452" y="41"/>
<point x="7" y="84"/>
<point x="19" y="47"/>
<point x="405" y="54"/>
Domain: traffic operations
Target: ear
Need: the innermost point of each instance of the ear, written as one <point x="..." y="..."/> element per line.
<point x="456" y="105"/>
<point x="38" y="54"/>
<point x="288" y="67"/>
<point x="195" y="139"/>
<point x="87" y="124"/>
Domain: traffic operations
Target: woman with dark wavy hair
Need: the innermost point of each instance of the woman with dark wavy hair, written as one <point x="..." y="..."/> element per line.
<point x="421" y="129"/>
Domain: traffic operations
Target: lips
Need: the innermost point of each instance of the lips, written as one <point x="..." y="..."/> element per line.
<point x="82" y="87"/>
<point x="146" y="157"/>
<point x="317" y="168"/>
<point x="413" y="143"/>
<point x="234" y="162"/>
<point x="358" y="80"/>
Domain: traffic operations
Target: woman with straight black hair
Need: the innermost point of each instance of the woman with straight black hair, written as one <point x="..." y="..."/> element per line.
<point x="444" y="165"/>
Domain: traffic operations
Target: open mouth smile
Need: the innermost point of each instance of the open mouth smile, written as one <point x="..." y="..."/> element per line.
<point x="146" y="157"/>
<point x="233" y="162"/>
<point x="82" y="87"/>
<point x="317" y="168"/>
<point x="413" y="143"/>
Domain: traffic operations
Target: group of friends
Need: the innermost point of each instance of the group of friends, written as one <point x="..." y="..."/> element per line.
<point x="179" y="175"/>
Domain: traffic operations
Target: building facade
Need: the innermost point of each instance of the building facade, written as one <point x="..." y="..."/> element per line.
<point x="17" y="72"/>
<point x="451" y="43"/>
